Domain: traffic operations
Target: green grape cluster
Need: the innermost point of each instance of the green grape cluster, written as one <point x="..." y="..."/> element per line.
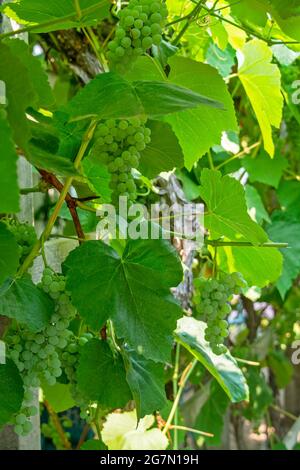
<point x="140" y="27"/>
<point x="118" y="143"/>
<point x="212" y="300"/>
<point x="24" y="234"/>
<point x="37" y="355"/>
<point x="49" y="431"/>
<point x="70" y="361"/>
<point x="21" y="422"/>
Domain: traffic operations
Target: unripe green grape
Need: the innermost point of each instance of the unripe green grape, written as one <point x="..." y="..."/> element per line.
<point x="138" y="24"/>
<point x="135" y="34"/>
<point x="140" y="146"/>
<point x="128" y="21"/>
<point x="146" y="31"/>
<point x="137" y="43"/>
<point x="156" y="39"/>
<point x="155" y="18"/>
<point x="156" y="28"/>
<point x="120" y="51"/>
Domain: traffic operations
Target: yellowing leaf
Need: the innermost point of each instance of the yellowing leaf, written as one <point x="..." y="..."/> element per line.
<point x="261" y="81"/>
<point x="121" y="431"/>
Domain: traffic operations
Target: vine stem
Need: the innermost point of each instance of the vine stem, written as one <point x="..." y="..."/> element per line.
<point x="240" y="154"/>
<point x="58" y="426"/>
<point x="190" y="19"/>
<point x="284" y="412"/>
<point x="64" y="192"/>
<point x="184" y="378"/>
<point x="56" y="21"/>
<point x="195" y="431"/>
<point x="175" y="391"/>
<point x="217" y="243"/>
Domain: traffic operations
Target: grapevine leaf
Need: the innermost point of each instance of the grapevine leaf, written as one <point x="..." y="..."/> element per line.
<point x="146" y="381"/>
<point x="161" y="154"/>
<point x="122" y="431"/>
<point x="227" y="211"/>
<point x="212" y="414"/>
<point x="26" y="303"/>
<point x="98" y="177"/>
<point x="159" y="98"/>
<point x="133" y="290"/>
<point x="285" y="229"/>
<point x="9" y="190"/>
<point x="259" y="266"/>
<point x="281" y="367"/>
<point x="101" y="376"/>
<point x="255" y="205"/>
<point x="251" y="13"/>
<point x="11" y="391"/>
<point x="9" y="253"/>
<point x="20" y="93"/>
<point x="111" y="96"/>
<point x="190" y="334"/>
<point x="59" y="396"/>
<point x="44" y="160"/>
<point x="93" y="444"/>
<point x="37" y="12"/>
<point x="261" y="81"/>
<point x="260" y="395"/>
<point x="201" y="128"/>
<point x="264" y="170"/>
<point x="37" y="75"/>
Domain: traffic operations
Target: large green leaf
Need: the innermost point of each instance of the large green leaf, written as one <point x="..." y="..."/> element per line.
<point x="111" y="96"/>
<point x="44" y="160"/>
<point x="56" y="14"/>
<point x="255" y="205"/>
<point x="161" y="154"/>
<point x="227" y="213"/>
<point x="212" y="414"/>
<point x="9" y="253"/>
<point x="146" y="381"/>
<point x="33" y="65"/>
<point x="285" y="229"/>
<point x="259" y="266"/>
<point x="260" y="395"/>
<point x="9" y="190"/>
<point x="11" y="391"/>
<point x="201" y="128"/>
<point x="26" y="303"/>
<point x="59" y="396"/>
<point x="20" y="93"/>
<point x="261" y="80"/>
<point x="264" y="170"/>
<point x="190" y="333"/>
<point x="101" y="376"/>
<point x="133" y="290"/>
<point x="250" y="12"/>
<point x="98" y="177"/>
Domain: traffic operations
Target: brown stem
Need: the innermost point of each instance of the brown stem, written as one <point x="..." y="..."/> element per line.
<point x="70" y="201"/>
<point x="55" y="419"/>
<point x="83" y="435"/>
